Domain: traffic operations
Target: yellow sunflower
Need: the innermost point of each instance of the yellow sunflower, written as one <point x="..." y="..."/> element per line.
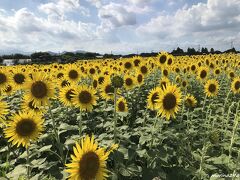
<point x="27" y="105"/>
<point x="107" y="90"/>
<point x="122" y="105"/>
<point x="19" y="78"/>
<point x="169" y="101"/>
<point x="235" y="85"/>
<point x="89" y="160"/>
<point x="5" y="77"/>
<point x="66" y="95"/>
<point x="24" y="128"/>
<point x="211" y="88"/>
<point x="190" y="101"/>
<point x="72" y="73"/>
<point x="39" y="89"/>
<point x="164" y="81"/>
<point x="152" y="98"/>
<point x="202" y="73"/>
<point x="129" y="82"/>
<point x="84" y="97"/>
<point x="4" y="110"/>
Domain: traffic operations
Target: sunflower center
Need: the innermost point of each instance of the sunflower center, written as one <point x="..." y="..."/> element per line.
<point x="92" y="71"/>
<point x="231" y="74"/>
<point x="193" y="67"/>
<point x="136" y="62"/>
<point x="9" y="88"/>
<point x="154" y="97"/>
<point x="212" y="88"/>
<point x="128" y="65"/>
<point x="139" y="78"/>
<point x="237" y="85"/>
<point x="217" y="71"/>
<point x="73" y="74"/>
<point x="109" y="89"/>
<point x="39" y="89"/>
<point x="69" y="94"/>
<point x="3" y="78"/>
<point x="165" y="72"/>
<point x="184" y="83"/>
<point x="30" y="105"/>
<point x="85" y="97"/>
<point x="169" y="61"/>
<point x="25" y="127"/>
<point x="95" y="83"/>
<point x="189" y="102"/>
<point x="163" y="59"/>
<point x="65" y="83"/>
<point x="89" y="166"/>
<point x="203" y="74"/>
<point x="144" y="69"/>
<point x="169" y="101"/>
<point x="60" y="75"/>
<point x="129" y="81"/>
<point x="100" y="80"/>
<point x="19" y="78"/>
<point x="121" y="106"/>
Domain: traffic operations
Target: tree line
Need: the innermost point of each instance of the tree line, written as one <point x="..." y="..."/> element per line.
<point x="46" y="57"/>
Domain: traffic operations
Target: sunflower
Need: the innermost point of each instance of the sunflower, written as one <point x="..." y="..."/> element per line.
<point x="190" y="101"/>
<point x="19" y="78"/>
<point x="9" y="90"/>
<point x="107" y="90"/>
<point x="89" y="160"/>
<point x="144" y="69"/>
<point x="169" y="101"/>
<point x="235" y="85"/>
<point x="66" y="95"/>
<point x="39" y="90"/>
<point x="164" y="81"/>
<point x="152" y="98"/>
<point x="72" y="73"/>
<point x="162" y="58"/>
<point x="4" y="79"/>
<point x="122" y="105"/>
<point x="23" y="128"/>
<point x="139" y="78"/>
<point x="84" y="97"/>
<point x="184" y="84"/>
<point x="217" y="71"/>
<point x="129" y="82"/>
<point x="27" y="105"/>
<point x="4" y="110"/>
<point x="211" y="88"/>
<point x="128" y="65"/>
<point x="202" y="73"/>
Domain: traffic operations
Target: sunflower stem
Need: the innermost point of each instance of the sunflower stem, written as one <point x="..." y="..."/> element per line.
<point x="28" y="165"/>
<point x="115" y="115"/>
<point x="80" y="124"/>
<point x="236" y="122"/>
<point x="59" y="145"/>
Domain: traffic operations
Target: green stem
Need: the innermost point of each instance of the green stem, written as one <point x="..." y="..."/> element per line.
<point x="236" y="121"/>
<point x="152" y="131"/>
<point x="115" y="115"/>
<point x="60" y="147"/>
<point x="28" y="165"/>
<point x="80" y="124"/>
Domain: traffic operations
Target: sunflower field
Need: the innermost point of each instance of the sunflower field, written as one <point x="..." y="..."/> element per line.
<point x="161" y="117"/>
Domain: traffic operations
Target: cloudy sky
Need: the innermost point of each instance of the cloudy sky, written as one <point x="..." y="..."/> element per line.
<point x="120" y="26"/>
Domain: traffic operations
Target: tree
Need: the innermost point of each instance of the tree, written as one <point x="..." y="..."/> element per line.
<point x="212" y="51"/>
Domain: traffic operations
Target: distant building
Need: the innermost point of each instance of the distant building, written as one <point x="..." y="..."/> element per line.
<point x="24" y="61"/>
<point x="11" y="62"/>
<point x="8" y="62"/>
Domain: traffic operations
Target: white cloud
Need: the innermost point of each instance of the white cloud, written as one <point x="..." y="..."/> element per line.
<point x="25" y="31"/>
<point x="58" y="8"/>
<point x="114" y="15"/>
<point x="217" y="19"/>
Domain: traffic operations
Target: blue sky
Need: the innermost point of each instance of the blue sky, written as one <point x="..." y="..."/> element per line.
<point x="120" y="26"/>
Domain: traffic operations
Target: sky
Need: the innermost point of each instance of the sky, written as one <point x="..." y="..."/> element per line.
<point x="118" y="26"/>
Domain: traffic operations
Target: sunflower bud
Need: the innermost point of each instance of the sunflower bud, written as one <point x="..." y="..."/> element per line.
<point x="117" y="81"/>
